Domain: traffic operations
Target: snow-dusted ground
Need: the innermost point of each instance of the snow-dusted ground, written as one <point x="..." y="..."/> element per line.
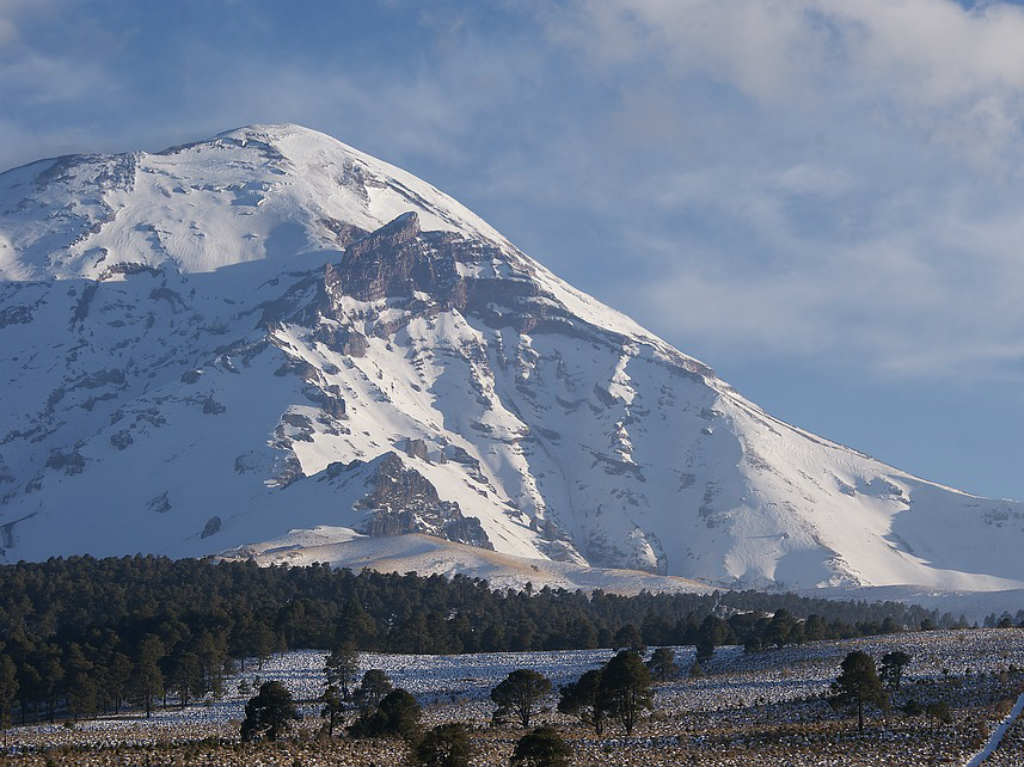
<point x="997" y="734"/>
<point x="458" y="686"/>
<point x="762" y="708"/>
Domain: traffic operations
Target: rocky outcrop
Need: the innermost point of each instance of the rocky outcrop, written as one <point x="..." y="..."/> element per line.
<point x="401" y="500"/>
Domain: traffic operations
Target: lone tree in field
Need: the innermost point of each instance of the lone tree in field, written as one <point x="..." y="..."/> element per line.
<point x="447" y="745"/>
<point x="270" y="713"/>
<point x="519" y="695"/>
<point x="332" y="708"/>
<point x="662" y="665"/>
<point x="858" y="684"/>
<point x="625" y="689"/>
<point x="892" y="669"/>
<point x="579" y="698"/>
<point x="543" y="747"/>
<point x="397" y="714"/>
<point x="341" y="668"/>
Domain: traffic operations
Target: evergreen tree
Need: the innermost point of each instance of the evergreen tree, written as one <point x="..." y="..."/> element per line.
<point x="662" y="664"/>
<point x="372" y="689"/>
<point x="8" y="691"/>
<point x="341" y="668"/>
<point x="446" y="745"/>
<point x="519" y="695"/>
<point x="147" y="680"/>
<point x="857" y="684"/>
<point x="625" y="690"/>
<point x="332" y="708"/>
<point x="780" y="627"/>
<point x="119" y="678"/>
<point x="711" y="634"/>
<point x="186" y="676"/>
<point x="356" y="626"/>
<point x="82" y="688"/>
<point x="264" y="642"/>
<point x="629" y="637"/>
<point x="543" y="747"/>
<point x="397" y="714"/>
<point x="269" y="714"/>
<point x="53" y="680"/>
<point x="580" y="698"/>
<point x="891" y="672"/>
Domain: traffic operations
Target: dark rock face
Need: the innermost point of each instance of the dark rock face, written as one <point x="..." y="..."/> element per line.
<point x="398" y="261"/>
<point x="212" y="527"/>
<point x="403" y="501"/>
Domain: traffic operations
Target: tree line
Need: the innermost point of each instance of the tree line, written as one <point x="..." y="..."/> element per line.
<point x="81" y="635"/>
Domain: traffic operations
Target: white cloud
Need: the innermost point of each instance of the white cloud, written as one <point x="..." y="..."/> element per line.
<point x="845" y="175"/>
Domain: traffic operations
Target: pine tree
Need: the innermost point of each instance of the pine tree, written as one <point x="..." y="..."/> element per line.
<point x="625" y="690"/>
<point x="662" y="664"/>
<point x="8" y="691"/>
<point x="519" y="694"/>
<point x="446" y="745"/>
<point x="543" y="747"/>
<point x="581" y="699"/>
<point x="891" y="672"/>
<point x="858" y="684"/>
<point x="332" y="708"/>
<point x="372" y="689"/>
<point x="270" y="713"/>
<point x="397" y="714"/>
<point x="147" y="680"/>
<point x="341" y="667"/>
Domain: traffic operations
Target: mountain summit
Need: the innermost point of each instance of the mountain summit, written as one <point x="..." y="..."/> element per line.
<point x="270" y="331"/>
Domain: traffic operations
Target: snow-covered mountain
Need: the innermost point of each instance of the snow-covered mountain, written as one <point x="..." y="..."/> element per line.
<point x="269" y="330"/>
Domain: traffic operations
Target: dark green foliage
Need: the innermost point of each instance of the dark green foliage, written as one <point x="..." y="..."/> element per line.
<point x="543" y="747"/>
<point x="629" y="637"/>
<point x="269" y="714"/>
<point x="519" y="695"/>
<point x="332" y="708"/>
<point x="398" y="714"/>
<point x="892" y="669"/>
<point x="206" y="613"/>
<point x="579" y="698"/>
<point x="147" y="681"/>
<point x="713" y="631"/>
<point x="341" y="668"/>
<point x="781" y="628"/>
<point x="625" y="689"/>
<point x="372" y="689"/>
<point x="446" y="745"/>
<point x="8" y="691"/>
<point x="857" y="684"/>
<point x="939" y="712"/>
<point x="662" y="665"/>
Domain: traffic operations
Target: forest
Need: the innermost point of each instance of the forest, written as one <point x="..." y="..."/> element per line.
<point x="81" y="635"/>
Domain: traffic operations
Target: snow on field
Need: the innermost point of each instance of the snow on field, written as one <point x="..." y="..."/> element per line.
<point x="457" y="687"/>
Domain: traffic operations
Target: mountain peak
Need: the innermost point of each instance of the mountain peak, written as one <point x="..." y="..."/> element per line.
<point x="269" y="330"/>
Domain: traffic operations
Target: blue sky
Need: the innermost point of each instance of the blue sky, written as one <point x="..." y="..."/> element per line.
<point x="822" y="199"/>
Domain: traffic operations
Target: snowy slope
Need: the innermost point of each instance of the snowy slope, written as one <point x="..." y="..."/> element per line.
<point x="428" y="555"/>
<point x="268" y="331"/>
